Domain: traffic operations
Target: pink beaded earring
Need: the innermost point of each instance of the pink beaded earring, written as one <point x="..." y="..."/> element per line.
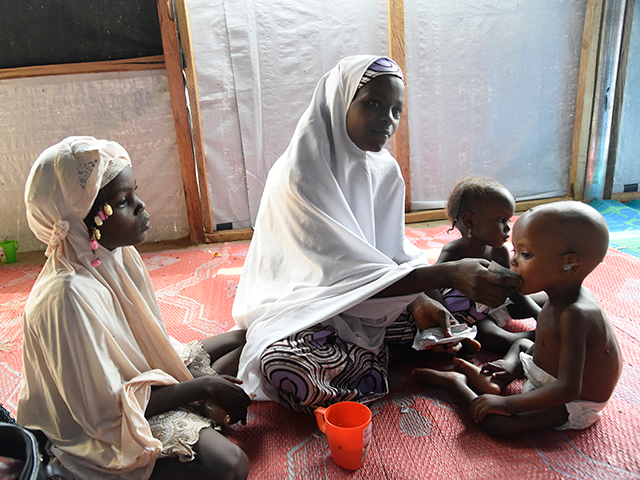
<point x="104" y="213"/>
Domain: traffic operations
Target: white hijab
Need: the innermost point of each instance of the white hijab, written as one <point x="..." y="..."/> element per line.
<point x="329" y="235"/>
<point x="94" y="340"/>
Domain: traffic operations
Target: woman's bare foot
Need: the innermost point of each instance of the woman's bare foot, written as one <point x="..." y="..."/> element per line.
<point x="478" y="381"/>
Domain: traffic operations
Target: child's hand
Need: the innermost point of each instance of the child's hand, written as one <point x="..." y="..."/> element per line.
<point x="486" y="404"/>
<point x="224" y="392"/>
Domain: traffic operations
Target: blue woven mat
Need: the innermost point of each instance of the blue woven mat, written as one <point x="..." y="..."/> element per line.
<point x="624" y="224"/>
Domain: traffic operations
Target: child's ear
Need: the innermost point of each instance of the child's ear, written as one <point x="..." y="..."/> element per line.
<point x="467" y="219"/>
<point x="570" y="263"/>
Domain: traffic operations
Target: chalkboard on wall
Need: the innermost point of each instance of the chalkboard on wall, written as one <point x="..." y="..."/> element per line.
<point x="51" y="32"/>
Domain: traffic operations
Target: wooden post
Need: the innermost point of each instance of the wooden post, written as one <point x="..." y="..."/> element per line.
<point x="182" y="14"/>
<point x="584" y="102"/>
<point x="397" y="51"/>
<point x="173" y="67"/>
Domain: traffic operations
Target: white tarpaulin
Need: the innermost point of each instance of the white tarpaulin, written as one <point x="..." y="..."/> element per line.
<point x="131" y="108"/>
<point x="628" y="157"/>
<point x="492" y="88"/>
<point x="271" y="56"/>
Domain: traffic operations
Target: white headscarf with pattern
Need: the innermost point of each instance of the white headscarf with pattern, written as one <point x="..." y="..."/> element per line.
<point x="64" y="183"/>
<point x="94" y="340"/>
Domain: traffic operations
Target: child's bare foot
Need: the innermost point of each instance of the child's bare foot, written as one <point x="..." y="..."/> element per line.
<point x="442" y="379"/>
<point x="445" y="352"/>
<point x="478" y="381"/>
<point x="470" y="345"/>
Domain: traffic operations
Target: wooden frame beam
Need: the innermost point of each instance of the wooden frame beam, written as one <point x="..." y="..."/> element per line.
<point x="584" y="102"/>
<point x="182" y="17"/>
<point x="173" y="65"/>
<point x="144" y="63"/>
<point x="230" y="235"/>
<point x="625" y="197"/>
<point x="397" y="52"/>
<point x="440" y="214"/>
<point x="618" y="99"/>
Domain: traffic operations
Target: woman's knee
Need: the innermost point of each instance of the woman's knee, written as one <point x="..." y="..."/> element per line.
<point x="216" y="458"/>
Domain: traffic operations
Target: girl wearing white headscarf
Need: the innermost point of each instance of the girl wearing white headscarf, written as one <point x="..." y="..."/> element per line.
<point x="329" y="269"/>
<point x="101" y="377"/>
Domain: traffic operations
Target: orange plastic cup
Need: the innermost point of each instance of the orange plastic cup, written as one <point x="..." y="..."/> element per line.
<point x="348" y="429"/>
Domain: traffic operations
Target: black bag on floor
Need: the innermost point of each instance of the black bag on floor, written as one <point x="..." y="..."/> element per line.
<point x="19" y="443"/>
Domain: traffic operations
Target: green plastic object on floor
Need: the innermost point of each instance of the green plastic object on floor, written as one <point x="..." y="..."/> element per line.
<point x="8" y="250"/>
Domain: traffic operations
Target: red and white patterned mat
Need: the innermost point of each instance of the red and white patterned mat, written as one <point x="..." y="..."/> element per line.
<point x="418" y="432"/>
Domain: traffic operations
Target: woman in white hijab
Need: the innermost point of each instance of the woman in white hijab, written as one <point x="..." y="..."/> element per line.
<point x="329" y="270"/>
<point x="113" y="393"/>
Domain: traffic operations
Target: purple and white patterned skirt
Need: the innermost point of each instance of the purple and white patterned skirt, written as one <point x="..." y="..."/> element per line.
<point x="316" y="368"/>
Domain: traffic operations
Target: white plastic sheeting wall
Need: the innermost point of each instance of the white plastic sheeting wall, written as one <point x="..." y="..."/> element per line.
<point x="226" y="174"/>
<point x="132" y="108"/>
<point x="492" y="87"/>
<point x="257" y="66"/>
<point x="627" y="170"/>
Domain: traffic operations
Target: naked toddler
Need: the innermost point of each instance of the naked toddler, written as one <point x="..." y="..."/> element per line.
<point x="574" y="365"/>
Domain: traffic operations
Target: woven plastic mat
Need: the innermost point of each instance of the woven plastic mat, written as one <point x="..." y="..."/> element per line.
<point x="623" y="221"/>
<point x="418" y="432"/>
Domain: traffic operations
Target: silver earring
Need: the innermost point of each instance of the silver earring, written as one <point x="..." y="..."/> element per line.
<point x="568" y="266"/>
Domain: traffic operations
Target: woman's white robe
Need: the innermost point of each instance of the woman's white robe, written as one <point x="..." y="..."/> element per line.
<point x="329" y="235"/>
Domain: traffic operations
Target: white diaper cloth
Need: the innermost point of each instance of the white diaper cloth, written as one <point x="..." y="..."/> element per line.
<point x="582" y="413"/>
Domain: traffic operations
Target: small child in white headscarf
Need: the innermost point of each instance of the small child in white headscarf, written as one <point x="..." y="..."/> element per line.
<point x="114" y="394"/>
